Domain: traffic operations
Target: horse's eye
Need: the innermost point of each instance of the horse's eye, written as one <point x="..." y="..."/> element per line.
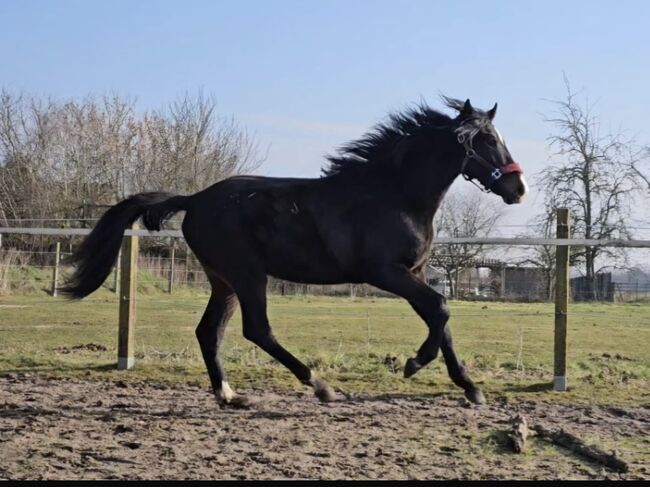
<point x="492" y="141"/>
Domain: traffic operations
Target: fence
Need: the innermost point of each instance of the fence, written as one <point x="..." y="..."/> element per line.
<point x="169" y="267"/>
<point x="172" y="269"/>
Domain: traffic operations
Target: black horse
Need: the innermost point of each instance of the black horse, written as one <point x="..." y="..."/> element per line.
<point x="367" y="220"/>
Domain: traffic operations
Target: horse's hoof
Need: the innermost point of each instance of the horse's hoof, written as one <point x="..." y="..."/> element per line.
<point x="347" y="395"/>
<point x="323" y="391"/>
<point x="238" y="402"/>
<point x="411" y="367"/>
<point x="475" y="395"/>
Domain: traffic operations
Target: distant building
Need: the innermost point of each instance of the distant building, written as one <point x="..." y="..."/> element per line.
<point x="525" y="283"/>
<point x="437" y="280"/>
<point x="601" y="288"/>
<point x="630" y="285"/>
<point x="492" y="279"/>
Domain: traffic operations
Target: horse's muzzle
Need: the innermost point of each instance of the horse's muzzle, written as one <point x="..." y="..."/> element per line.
<point x="519" y="193"/>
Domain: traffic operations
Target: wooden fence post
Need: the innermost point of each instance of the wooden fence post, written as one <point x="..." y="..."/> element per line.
<point x="55" y="271"/>
<point x="171" y="270"/>
<point x="116" y="281"/>
<point x="561" y="300"/>
<point x="187" y="265"/>
<point x="128" y="287"/>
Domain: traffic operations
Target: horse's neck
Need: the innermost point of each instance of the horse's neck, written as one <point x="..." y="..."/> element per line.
<point x="425" y="188"/>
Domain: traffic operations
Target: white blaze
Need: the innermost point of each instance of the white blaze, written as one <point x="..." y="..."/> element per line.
<point x="523" y="181"/>
<point x="499" y="136"/>
<point x="521" y="176"/>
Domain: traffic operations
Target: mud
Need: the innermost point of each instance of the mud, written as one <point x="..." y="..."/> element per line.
<point x="53" y="428"/>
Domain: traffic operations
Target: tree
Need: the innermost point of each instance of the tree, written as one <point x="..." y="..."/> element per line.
<point x="72" y="159"/>
<point x="543" y="256"/>
<point x="591" y="174"/>
<point x="461" y="215"/>
<point x="640" y="162"/>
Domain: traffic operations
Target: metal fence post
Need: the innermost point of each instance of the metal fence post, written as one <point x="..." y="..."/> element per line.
<point x="561" y="300"/>
<point x="128" y="286"/>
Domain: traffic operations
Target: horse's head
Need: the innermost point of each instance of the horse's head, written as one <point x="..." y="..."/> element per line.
<point x="487" y="158"/>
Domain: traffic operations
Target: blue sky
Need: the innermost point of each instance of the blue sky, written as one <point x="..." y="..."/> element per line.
<point x="307" y="76"/>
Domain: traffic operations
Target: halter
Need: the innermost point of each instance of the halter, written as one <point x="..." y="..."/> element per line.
<point x="495" y="172"/>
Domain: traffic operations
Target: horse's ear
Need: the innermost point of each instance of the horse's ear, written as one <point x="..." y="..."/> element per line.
<point x="491" y="113"/>
<point x="467" y="110"/>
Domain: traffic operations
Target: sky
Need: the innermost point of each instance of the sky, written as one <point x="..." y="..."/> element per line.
<point x="307" y="76"/>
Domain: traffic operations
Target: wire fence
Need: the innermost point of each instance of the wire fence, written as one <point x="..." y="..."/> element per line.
<point x="165" y="264"/>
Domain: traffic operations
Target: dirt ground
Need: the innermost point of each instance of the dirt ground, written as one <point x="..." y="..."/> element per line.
<point x="53" y="428"/>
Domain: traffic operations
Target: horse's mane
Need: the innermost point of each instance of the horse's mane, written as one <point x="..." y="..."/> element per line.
<point x="375" y="148"/>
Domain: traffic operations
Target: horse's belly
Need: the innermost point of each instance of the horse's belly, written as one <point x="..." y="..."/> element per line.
<point x="302" y="264"/>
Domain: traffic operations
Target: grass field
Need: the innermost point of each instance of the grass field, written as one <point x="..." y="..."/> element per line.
<point x="508" y="348"/>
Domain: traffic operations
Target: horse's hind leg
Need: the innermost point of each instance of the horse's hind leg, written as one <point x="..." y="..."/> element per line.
<point x="210" y="332"/>
<point x="252" y="298"/>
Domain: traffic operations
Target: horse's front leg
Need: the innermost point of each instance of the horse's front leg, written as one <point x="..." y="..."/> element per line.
<point x="432" y="307"/>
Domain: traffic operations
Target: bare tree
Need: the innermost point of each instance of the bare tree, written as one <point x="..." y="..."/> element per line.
<point x="640" y="164"/>
<point x="71" y="159"/>
<point x="461" y="215"/>
<point x="543" y="256"/>
<point x="592" y="174"/>
<point x="186" y="145"/>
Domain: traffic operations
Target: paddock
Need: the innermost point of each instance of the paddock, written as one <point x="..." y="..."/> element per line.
<point x="66" y="409"/>
<point x="89" y="390"/>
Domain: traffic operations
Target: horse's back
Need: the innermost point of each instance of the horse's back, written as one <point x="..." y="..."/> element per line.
<point x="272" y="224"/>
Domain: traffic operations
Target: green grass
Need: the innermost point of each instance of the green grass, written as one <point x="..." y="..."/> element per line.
<point x="29" y="280"/>
<point x="507" y="347"/>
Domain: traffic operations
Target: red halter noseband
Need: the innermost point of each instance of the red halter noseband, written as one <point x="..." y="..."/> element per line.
<point x="508" y="168"/>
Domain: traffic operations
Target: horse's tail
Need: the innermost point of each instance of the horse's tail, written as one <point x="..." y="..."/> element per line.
<point x="97" y="253"/>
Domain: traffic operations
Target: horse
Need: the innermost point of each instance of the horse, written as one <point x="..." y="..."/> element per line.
<point x="367" y="219"/>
